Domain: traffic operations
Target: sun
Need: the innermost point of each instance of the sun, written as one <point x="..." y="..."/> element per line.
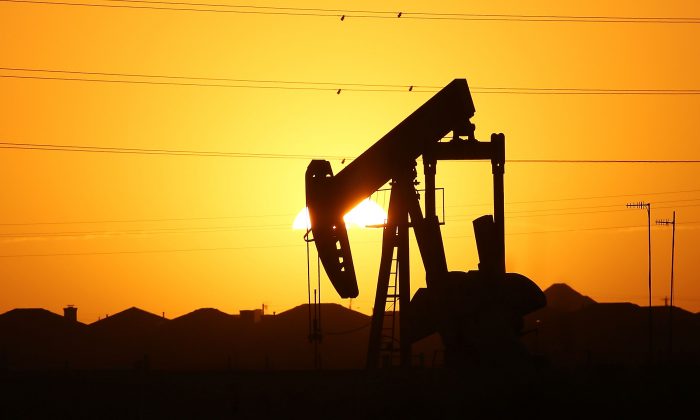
<point x="367" y="213"/>
<point x="302" y="220"/>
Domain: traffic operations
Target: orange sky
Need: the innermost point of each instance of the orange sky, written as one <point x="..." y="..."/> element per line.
<point x="221" y="226"/>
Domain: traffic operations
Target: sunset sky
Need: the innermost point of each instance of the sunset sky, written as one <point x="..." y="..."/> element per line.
<point x="251" y="92"/>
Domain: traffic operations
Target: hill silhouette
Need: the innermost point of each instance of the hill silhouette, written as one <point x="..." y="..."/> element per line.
<point x="210" y="364"/>
<point x="572" y="330"/>
<point x="562" y="297"/>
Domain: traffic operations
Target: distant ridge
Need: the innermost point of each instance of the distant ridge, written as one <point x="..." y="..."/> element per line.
<point x="572" y="330"/>
<point x="560" y="296"/>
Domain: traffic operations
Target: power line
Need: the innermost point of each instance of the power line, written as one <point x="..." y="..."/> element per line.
<point x="586" y="229"/>
<point x="603" y="160"/>
<point x="153" y="82"/>
<point x="598" y="207"/>
<point x="122" y="150"/>
<point x="337" y="87"/>
<point x="392" y="13"/>
<point x="600" y="211"/>
<point x="254" y="7"/>
<point x="163" y="6"/>
<point x="170" y="152"/>
<point x="290" y="246"/>
<point x="565" y="208"/>
<point x="595" y="197"/>
<point x="154" y="251"/>
<point x="214" y="79"/>
<point x="343" y="14"/>
<point x="150" y="251"/>
<point x="158" y="231"/>
<point x="151" y="231"/>
<point x="177" y="219"/>
<point x="456" y="218"/>
<point x="141" y="231"/>
<point x="172" y="219"/>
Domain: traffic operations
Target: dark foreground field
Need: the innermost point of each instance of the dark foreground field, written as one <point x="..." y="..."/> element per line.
<point x="427" y="393"/>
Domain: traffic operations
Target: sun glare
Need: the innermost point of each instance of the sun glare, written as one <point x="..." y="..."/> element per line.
<point x="367" y="213"/>
<point x="302" y="220"/>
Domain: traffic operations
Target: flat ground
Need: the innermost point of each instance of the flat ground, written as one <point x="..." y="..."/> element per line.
<point x="427" y="393"/>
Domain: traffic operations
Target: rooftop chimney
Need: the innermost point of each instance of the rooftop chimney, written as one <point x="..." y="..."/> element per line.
<point x="70" y="313"/>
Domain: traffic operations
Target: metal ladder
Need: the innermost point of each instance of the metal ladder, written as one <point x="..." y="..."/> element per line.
<point x="390" y="346"/>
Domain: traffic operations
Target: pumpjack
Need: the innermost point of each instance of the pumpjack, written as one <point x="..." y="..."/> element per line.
<point x="479" y="313"/>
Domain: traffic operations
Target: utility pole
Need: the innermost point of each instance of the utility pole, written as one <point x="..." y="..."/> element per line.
<point x="671" y="222"/>
<point x="315" y="335"/>
<point x="647" y="206"/>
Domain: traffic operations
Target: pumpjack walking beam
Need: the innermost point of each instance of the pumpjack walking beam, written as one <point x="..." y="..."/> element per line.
<point x="329" y="197"/>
